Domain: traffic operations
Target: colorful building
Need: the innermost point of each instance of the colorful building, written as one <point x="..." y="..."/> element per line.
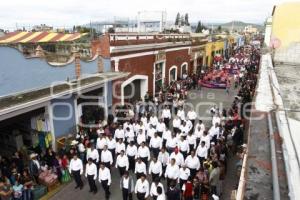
<point x="212" y="49"/>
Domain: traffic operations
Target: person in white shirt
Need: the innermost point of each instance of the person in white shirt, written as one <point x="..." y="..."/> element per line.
<point x="172" y="172"/>
<point x="193" y="163"/>
<point x="198" y="134"/>
<point x="91" y="175"/>
<point x="122" y="163"/>
<point x="184" y="174"/>
<point x="166" y="115"/>
<point x="76" y="169"/>
<point x="214" y="132"/>
<point x="192" y="115"/>
<point x="172" y="143"/>
<point x="141" y="137"/>
<point x="163" y="157"/>
<point x="105" y="179"/>
<point x="81" y="150"/>
<point x="184" y="128"/>
<point x="129" y="134"/>
<point x="216" y="119"/>
<point x="142" y="188"/>
<point x="160" y="127"/>
<point x="192" y="141"/>
<point x="119" y="133"/>
<point x="93" y="154"/>
<point x="153" y="120"/>
<point x="106" y="157"/>
<point x="206" y="138"/>
<point x="177" y="156"/>
<point x="155" y="144"/>
<point x="153" y="189"/>
<point x="100" y="143"/>
<point x="202" y="152"/>
<point x="120" y="146"/>
<point x="176" y="124"/>
<point x="111" y="145"/>
<point x="127" y="186"/>
<point x="181" y="114"/>
<point x="160" y="193"/>
<point x="140" y="168"/>
<point x="150" y="133"/>
<point x="166" y="135"/>
<point x="184" y="147"/>
<point x="155" y="168"/>
<point x="131" y="152"/>
<point x="144" y="153"/>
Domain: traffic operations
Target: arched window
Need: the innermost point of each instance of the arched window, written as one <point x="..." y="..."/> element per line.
<point x="173" y="74"/>
<point x="184" y="69"/>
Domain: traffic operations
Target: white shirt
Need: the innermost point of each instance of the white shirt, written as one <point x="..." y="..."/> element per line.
<point x="93" y="154"/>
<point x="120" y="147"/>
<point x="125" y="183"/>
<point x="129" y="135"/>
<point x="140" y="168"/>
<point x="192" y="115"/>
<point x="111" y="144"/>
<point x="150" y="132"/>
<point x="91" y="170"/>
<point x="119" y="134"/>
<point x="161" y="127"/>
<point x="163" y="158"/>
<point x="166" y="134"/>
<point x="202" y="151"/>
<point x="192" y="162"/>
<point x="161" y="197"/>
<point x="106" y="157"/>
<point x="166" y="113"/>
<point x="142" y="187"/>
<point x="178" y="157"/>
<point x="206" y="139"/>
<point x="172" y="142"/>
<point x="153" y="189"/>
<point x="141" y="137"/>
<point x="184" y="173"/>
<point x="156" y="142"/>
<point x="216" y="120"/>
<point x="181" y="114"/>
<point x="155" y="168"/>
<point x="198" y="133"/>
<point x="144" y="152"/>
<point x="105" y="175"/>
<point x="191" y="139"/>
<point x="131" y="151"/>
<point x="76" y="165"/>
<point x="172" y="171"/>
<point x="153" y="120"/>
<point x="81" y="148"/>
<point x="184" y="146"/>
<point x="176" y="123"/>
<point x="101" y="143"/>
<point x="122" y="161"/>
<point x="184" y="129"/>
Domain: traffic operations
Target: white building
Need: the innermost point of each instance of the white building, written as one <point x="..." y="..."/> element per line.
<point x="151" y="21"/>
<point x="268" y="31"/>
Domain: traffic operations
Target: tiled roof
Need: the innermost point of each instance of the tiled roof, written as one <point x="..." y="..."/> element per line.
<point x="38" y="37"/>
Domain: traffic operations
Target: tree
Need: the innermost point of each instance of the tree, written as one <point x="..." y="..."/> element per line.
<point x="177" y="19"/>
<point x="182" y="20"/>
<point x="219" y="29"/>
<point x="186" y="19"/>
<point x="199" y="27"/>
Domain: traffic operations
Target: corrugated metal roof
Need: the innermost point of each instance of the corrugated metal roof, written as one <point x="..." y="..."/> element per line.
<point x="38" y="37"/>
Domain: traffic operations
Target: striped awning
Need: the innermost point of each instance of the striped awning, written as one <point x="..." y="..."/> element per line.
<point x="38" y="37"/>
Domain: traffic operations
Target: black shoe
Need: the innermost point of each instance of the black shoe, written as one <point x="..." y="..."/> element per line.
<point x="76" y="187"/>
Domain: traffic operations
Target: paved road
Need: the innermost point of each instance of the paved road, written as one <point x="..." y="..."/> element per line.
<point x="205" y="99"/>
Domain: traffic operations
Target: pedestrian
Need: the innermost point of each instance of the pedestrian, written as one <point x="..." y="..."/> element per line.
<point x="140" y="168"/>
<point x="142" y="188"/>
<point x="184" y="174"/>
<point x="153" y="189"/>
<point x="76" y="169"/>
<point x="155" y="169"/>
<point x="193" y="163"/>
<point x="127" y="186"/>
<point x="106" y="157"/>
<point x="91" y="175"/>
<point x="172" y="172"/>
<point x="105" y="179"/>
<point x="122" y="163"/>
<point x="131" y="152"/>
<point x="163" y="157"/>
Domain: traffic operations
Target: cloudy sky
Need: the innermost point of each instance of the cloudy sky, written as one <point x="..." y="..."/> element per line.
<point x="68" y="12"/>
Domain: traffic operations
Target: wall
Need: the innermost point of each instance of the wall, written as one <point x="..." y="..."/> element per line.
<point x="18" y="73"/>
<point x="213" y="46"/>
<point x="64" y="120"/>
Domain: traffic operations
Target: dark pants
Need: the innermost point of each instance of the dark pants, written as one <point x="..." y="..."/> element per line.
<point x="122" y="170"/>
<point x="140" y="196"/>
<point x="169" y="181"/>
<point x="105" y="188"/>
<point x="126" y="194"/>
<point x="167" y="122"/>
<point x="164" y="171"/>
<point x="155" y="152"/>
<point x="77" y="178"/>
<point x="131" y="160"/>
<point x="154" y="176"/>
<point x="191" y="147"/>
<point x="159" y="134"/>
<point x="92" y="183"/>
<point x="184" y="153"/>
<point x="107" y="164"/>
<point x="145" y="160"/>
<point x="138" y="175"/>
<point x="193" y="172"/>
<point x="201" y="159"/>
<point x="181" y="182"/>
<point x="113" y="153"/>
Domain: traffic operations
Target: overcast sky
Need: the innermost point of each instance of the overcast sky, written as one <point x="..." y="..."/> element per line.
<point x="74" y="12"/>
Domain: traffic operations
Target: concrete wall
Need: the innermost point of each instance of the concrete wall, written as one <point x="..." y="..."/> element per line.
<point x="18" y="73"/>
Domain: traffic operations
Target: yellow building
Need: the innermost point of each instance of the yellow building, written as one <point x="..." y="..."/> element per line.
<point x="286" y="25"/>
<point x="212" y="49"/>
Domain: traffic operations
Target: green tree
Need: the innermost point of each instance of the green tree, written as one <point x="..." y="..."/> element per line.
<point x="199" y="27"/>
<point x="177" y="19"/>
<point x="219" y="29"/>
<point x="186" y="19"/>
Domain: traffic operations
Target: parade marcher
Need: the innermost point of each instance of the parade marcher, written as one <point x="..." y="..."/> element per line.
<point x="172" y="143"/>
<point x="177" y="155"/>
<point x="106" y="157"/>
<point x="193" y="163"/>
<point x="202" y="152"/>
<point x="184" y="174"/>
<point x="166" y="135"/>
<point x="105" y="179"/>
<point x="111" y="145"/>
<point x="172" y="172"/>
<point x="155" y="144"/>
<point x="131" y="152"/>
<point x="120" y="146"/>
<point x="140" y="168"/>
<point x="144" y="153"/>
<point x="155" y="169"/>
<point x="192" y="141"/>
<point x="122" y="163"/>
<point x="184" y="147"/>
<point x="163" y="157"/>
<point x="142" y="188"/>
<point x="91" y="175"/>
<point x="127" y="186"/>
<point x="166" y="115"/>
<point x="93" y="154"/>
<point x="76" y="169"/>
<point x="100" y="143"/>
